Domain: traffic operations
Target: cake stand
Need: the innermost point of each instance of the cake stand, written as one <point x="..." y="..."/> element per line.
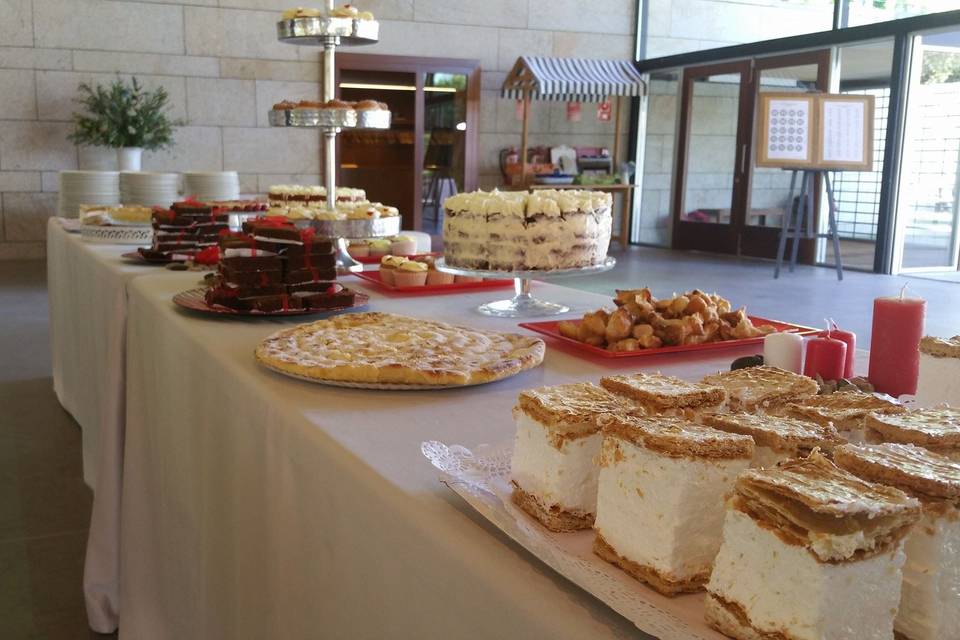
<point x="341" y="230"/>
<point x="330" y="33"/>
<point x="523" y="304"/>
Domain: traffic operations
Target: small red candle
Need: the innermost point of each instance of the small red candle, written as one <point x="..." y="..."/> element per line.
<point x="850" y="339"/>
<point x="826" y="357"/>
<point x="895" y="344"/>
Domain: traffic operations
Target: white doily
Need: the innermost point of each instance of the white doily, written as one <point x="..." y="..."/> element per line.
<point x="482" y="478"/>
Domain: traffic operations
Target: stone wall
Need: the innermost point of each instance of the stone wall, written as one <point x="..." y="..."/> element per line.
<point x="223" y="68"/>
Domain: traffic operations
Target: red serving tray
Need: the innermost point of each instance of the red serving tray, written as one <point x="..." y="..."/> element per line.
<point x="550" y="329"/>
<point x="411" y="256"/>
<point x="373" y="277"/>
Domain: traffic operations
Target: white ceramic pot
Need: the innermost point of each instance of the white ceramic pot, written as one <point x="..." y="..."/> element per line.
<point x="128" y="158"/>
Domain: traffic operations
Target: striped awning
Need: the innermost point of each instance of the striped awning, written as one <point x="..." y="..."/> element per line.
<point x="572" y="79"/>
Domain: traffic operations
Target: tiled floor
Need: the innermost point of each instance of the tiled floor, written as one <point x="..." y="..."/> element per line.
<point x="45" y="507"/>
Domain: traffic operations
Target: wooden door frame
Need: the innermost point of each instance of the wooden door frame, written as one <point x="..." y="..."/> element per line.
<point x="762" y="241"/>
<point x="708" y="236"/>
<point x="420" y="66"/>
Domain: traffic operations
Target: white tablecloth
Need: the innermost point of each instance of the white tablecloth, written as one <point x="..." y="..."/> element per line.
<point x="88" y="307"/>
<point x="258" y="506"/>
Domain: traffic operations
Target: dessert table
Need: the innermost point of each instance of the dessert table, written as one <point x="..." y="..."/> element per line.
<point x="88" y="314"/>
<point x="256" y="505"/>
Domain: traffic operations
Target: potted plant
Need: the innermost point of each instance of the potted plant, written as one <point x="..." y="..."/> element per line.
<point x="123" y="116"/>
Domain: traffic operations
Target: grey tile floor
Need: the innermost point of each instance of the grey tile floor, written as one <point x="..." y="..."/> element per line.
<point x="45" y="507"/>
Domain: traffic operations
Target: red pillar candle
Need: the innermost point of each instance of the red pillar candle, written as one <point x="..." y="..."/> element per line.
<point x="826" y="357"/>
<point x="895" y="344"/>
<point x="850" y="339"/>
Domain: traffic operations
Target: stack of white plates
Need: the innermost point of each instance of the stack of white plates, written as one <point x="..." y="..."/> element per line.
<point x="212" y="185"/>
<point x="87" y="187"/>
<point x="149" y="188"/>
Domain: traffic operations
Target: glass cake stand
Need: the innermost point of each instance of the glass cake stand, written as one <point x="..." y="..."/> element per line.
<point x="523" y="304"/>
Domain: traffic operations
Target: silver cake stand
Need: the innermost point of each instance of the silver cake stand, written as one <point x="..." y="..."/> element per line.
<point x="341" y="230"/>
<point x="523" y="304"/>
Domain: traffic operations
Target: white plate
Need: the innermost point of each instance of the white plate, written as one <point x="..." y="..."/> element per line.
<point x="482" y="479"/>
<point x="117" y="234"/>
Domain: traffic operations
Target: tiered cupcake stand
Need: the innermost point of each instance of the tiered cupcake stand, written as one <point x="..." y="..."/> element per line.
<point x="330" y="33"/>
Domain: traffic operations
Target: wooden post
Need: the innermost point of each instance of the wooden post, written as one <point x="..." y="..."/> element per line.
<point x="523" y="138"/>
<point x="616" y="135"/>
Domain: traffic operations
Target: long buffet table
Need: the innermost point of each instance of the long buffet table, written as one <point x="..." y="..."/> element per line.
<point x="255" y="505"/>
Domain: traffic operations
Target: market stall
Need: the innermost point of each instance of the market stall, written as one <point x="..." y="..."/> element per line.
<point x="575" y="80"/>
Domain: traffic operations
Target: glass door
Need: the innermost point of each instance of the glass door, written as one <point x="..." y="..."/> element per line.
<point x="712" y="160"/>
<point x="928" y="207"/>
<point x="769" y="189"/>
<point x="444" y="136"/>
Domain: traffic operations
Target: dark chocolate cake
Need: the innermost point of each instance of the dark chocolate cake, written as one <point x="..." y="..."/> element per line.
<point x="273" y="266"/>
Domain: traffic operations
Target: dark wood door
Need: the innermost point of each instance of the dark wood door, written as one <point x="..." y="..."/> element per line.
<point x="768" y="190"/>
<point x="436" y="104"/>
<point x="722" y="203"/>
<point x="711" y="161"/>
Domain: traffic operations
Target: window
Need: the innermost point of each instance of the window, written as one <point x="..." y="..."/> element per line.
<point x="859" y="12"/>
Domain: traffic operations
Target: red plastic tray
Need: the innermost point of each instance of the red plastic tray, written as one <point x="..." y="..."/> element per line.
<point x="550" y="329"/>
<point x="373" y="277"/>
<point x="376" y="259"/>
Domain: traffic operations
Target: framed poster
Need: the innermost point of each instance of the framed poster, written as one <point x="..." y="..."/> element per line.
<point x="845" y="137"/>
<point x="786" y="130"/>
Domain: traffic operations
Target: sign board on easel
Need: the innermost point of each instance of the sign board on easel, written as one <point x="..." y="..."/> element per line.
<point x="815" y="131"/>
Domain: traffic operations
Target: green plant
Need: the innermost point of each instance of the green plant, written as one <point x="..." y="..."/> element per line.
<point x="122" y="115"/>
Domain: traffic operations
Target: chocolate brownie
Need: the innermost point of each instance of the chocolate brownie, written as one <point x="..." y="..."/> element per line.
<point x="309" y="275"/>
<point x="342" y="297"/>
<point x="252" y="263"/>
<point x="261" y="277"/>
<point x="310" y="287"/>
<point x="317" y="261"/>
<point x="281" y="302"/>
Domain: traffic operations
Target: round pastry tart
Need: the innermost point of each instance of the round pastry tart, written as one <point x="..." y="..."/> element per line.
<point x="375" y="349"/>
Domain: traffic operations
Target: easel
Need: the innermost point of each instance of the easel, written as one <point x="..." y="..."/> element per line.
<point x="804" y="218"/>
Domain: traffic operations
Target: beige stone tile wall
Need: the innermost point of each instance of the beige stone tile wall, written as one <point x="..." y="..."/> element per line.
<point x="223" y="68"/>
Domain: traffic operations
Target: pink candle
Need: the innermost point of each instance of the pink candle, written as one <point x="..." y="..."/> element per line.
<point x="826" y="357"/>
<point x="895" y="344"/>
<point x="850" y="339"/>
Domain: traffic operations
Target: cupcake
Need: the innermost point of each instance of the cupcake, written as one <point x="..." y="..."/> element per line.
<point x="388" y="267"/>
<point x="411" y="274"/>
<point x="403" y="246"/>
<point x="379" y="247"/>
<point x="434" y="276"/>
<point x="358" y="248"/>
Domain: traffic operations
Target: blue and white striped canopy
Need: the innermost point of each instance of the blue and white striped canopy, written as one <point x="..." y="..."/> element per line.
<point x="572" y="79"/>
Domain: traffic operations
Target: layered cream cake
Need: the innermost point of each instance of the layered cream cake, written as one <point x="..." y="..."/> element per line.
<point x="557" y="438"/>
<point x="939" y="379"/>
<point x="810" y="552"/>
<point x="512" y="231"/>
<point x="660" y="497"/>
<point x="935" y="429"/>
<point x="762" y="388"/>
<point x="846" y="411"/>
<point x="930" y="597"/>
<point x="776" y="437"/>
<point x="665" y="395"/>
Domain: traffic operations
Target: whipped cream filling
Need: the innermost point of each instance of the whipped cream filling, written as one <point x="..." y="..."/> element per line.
<point x="783" y="589"/>
<point x="565" y="476"/>
<point x="930" y="598"/>
<point x="663" y="512"/>
<point x="939" y="381"/>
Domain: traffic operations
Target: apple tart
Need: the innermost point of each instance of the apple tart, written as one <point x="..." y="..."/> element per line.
<point x="383" y="348"/>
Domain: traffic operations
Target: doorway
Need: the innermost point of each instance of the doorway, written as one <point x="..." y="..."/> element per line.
<point x="430" y="150"/>
<point x="722" y="203"/>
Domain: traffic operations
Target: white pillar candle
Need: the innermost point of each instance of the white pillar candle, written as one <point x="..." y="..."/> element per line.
<point x="783" y="350"/>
